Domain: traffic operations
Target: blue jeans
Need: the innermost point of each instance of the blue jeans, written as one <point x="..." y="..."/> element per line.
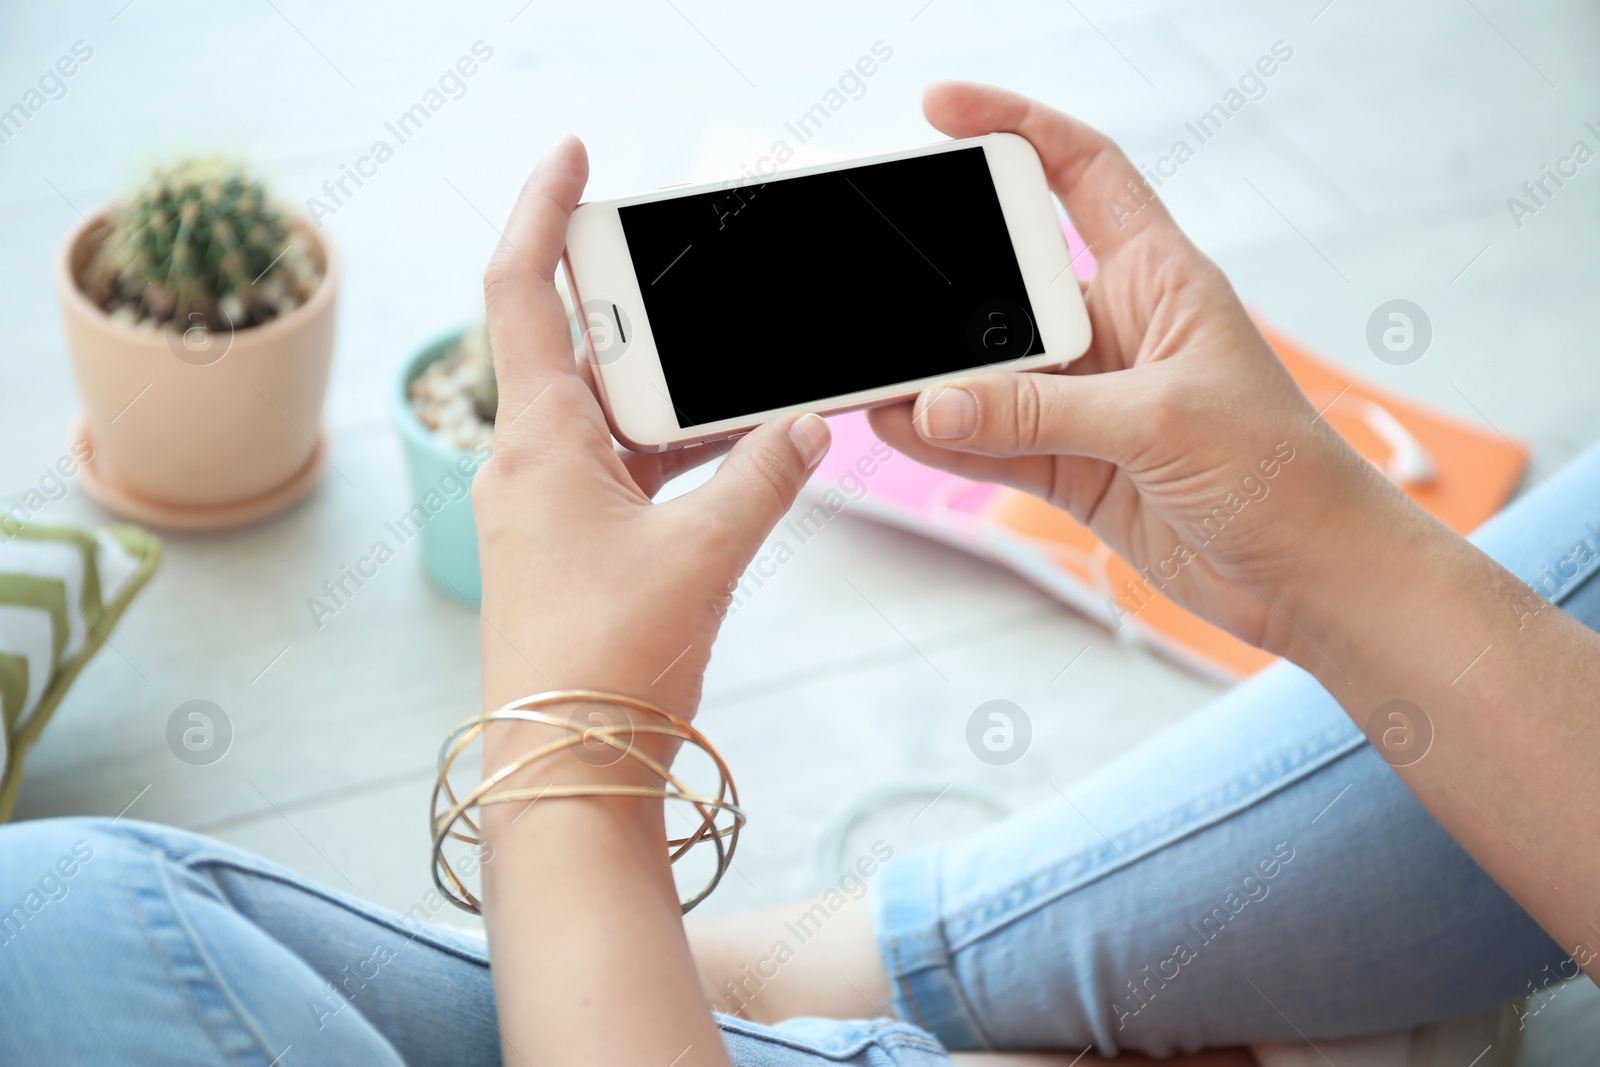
<point x="1256" y="873"/>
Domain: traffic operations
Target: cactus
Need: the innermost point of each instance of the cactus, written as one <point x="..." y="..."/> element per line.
<point x="200" y="239"/>
<point x="456" y="395"/>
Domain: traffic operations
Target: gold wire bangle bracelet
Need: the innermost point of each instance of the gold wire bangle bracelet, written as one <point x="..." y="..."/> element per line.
<point x="480" y="796"/>
<point x="457" y="892"/>
<point x="449" y="810"/>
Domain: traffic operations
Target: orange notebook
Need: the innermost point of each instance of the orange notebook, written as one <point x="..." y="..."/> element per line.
<point x="1459" y="472"/>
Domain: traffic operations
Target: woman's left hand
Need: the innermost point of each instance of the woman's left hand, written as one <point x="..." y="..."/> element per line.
<point x="586" y="582"/>
<point x="589" y="585"/>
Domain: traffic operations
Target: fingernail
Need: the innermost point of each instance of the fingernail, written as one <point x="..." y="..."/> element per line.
<point x="951" y="415"/>
<point x="810" y="436"/>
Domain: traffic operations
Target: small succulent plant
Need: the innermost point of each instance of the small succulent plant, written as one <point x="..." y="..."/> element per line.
<point x="456" y="396"/>
<point x="201" y="238"/>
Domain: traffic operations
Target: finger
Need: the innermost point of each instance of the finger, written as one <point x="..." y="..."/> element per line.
<point x="1033" y="414"/>
<point x="1075" y="483"/>
<point x="892" y="424"/>
<point x="528" y="328"/>
<point x="761" y="477"/>
<point x="1106" y="197"/>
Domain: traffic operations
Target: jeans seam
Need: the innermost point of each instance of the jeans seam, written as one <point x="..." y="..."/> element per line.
<point x="961" y="993"/>
<point x="908" y="994"/>
<point x="946" y="976"/>
<point x="161" y="956"/>
<point x="973" y="925"/>
<point x="895" y="966"/>
<point x="881" y="1034"/>
<point x="246" y="1025"/>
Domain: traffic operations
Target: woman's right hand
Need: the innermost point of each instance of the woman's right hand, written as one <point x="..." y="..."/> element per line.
<point x="1166" y="423"/>
<point x="1179" y="438"/>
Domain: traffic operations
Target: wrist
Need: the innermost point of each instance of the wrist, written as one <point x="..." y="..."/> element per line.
<point x="588" y="763"/>
<point x="605" y="753"/>
<point x="1356" y="612"/>
<point x="526" y="653"/>
<point x="1351" y="540"/>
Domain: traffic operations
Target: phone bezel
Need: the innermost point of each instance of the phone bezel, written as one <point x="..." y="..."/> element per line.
<point x="633" y="388"/>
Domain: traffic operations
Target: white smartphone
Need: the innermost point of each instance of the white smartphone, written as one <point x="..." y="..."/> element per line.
<point x="711" y="309"/>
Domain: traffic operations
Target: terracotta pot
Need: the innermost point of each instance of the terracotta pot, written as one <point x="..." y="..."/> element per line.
<point x="200" y="428"/>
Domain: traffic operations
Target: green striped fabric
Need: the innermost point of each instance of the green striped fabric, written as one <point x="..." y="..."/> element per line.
<point x="62" y="591"/>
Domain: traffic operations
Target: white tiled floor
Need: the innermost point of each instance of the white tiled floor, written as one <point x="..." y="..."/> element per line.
<point x="1377" y="165"/>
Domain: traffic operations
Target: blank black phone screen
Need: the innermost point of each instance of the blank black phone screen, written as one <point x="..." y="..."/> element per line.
<point x="771" y="295"/>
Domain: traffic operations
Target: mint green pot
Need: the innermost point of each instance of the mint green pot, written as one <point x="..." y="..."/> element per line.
<point x="442" y="521"/>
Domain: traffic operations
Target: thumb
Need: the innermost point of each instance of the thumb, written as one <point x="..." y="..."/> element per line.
<point x="761" y="477"/>
<point x="1024" y="414"/>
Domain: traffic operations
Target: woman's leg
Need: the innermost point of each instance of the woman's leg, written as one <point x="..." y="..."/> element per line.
<point x="1255" y="873"/>
<point x="126" y="942"/>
